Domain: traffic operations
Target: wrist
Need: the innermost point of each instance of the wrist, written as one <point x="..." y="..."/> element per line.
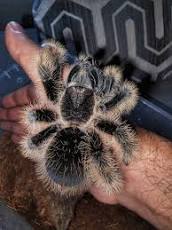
<point x="147" y="180"/>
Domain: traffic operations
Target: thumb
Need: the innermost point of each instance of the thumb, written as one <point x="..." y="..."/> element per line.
<point x="102" y="196"/>
<point x="22" y="49"/>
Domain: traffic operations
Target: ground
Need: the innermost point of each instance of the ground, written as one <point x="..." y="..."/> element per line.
<point x="22" y="191"/>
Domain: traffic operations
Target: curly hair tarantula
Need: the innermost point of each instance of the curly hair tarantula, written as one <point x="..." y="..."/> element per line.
<point x="76" y="134"/>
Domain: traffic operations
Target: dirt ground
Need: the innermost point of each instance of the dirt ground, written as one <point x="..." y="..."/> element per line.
<point x="92" y="215"/>
<point x="22" y="191"/>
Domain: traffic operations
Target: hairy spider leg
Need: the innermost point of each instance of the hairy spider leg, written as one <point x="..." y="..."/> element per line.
<point x="123" y="101"/>
<point x="51" y="63"/>
<point x="35" y="146"/>
<point x="38" y="139"/>
<point x="38" y="116"/>
<point x="42" y="115"/>
<point x="121" y="96"/>
<point x="102" y="166"/>
<point x="62" y="209"/>
<point x="124" y="134"/>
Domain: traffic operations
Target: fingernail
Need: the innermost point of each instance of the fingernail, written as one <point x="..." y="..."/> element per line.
<point x="15" y="27"/>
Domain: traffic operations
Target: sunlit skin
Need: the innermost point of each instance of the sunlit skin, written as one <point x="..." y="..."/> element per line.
<point x="148" y="177"/>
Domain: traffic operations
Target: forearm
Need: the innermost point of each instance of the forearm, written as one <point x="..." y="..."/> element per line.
<point x="148" y="180"/>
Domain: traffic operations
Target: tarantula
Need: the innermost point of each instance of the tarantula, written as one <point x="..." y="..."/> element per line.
<point x="75" y="132"/>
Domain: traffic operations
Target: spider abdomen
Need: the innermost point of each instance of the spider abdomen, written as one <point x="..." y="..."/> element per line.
<point x="64" y="159"/>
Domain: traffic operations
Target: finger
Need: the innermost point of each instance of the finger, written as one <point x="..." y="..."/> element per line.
<point x="12" y="114"/>
<point x="20" y="97"/>
<point x="12" y="127"/>
<point x="102" y="196"/>
<point x="22" y="49"/>
<point x="16" y="138"/>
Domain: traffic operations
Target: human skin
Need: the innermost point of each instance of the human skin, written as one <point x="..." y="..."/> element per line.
<point x="147" y="179"/>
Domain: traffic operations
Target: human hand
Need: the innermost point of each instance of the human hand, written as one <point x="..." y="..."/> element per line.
<point x="25" y="52"/>
<point x="22" y="50"/>
<point x="141" y="191"/>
